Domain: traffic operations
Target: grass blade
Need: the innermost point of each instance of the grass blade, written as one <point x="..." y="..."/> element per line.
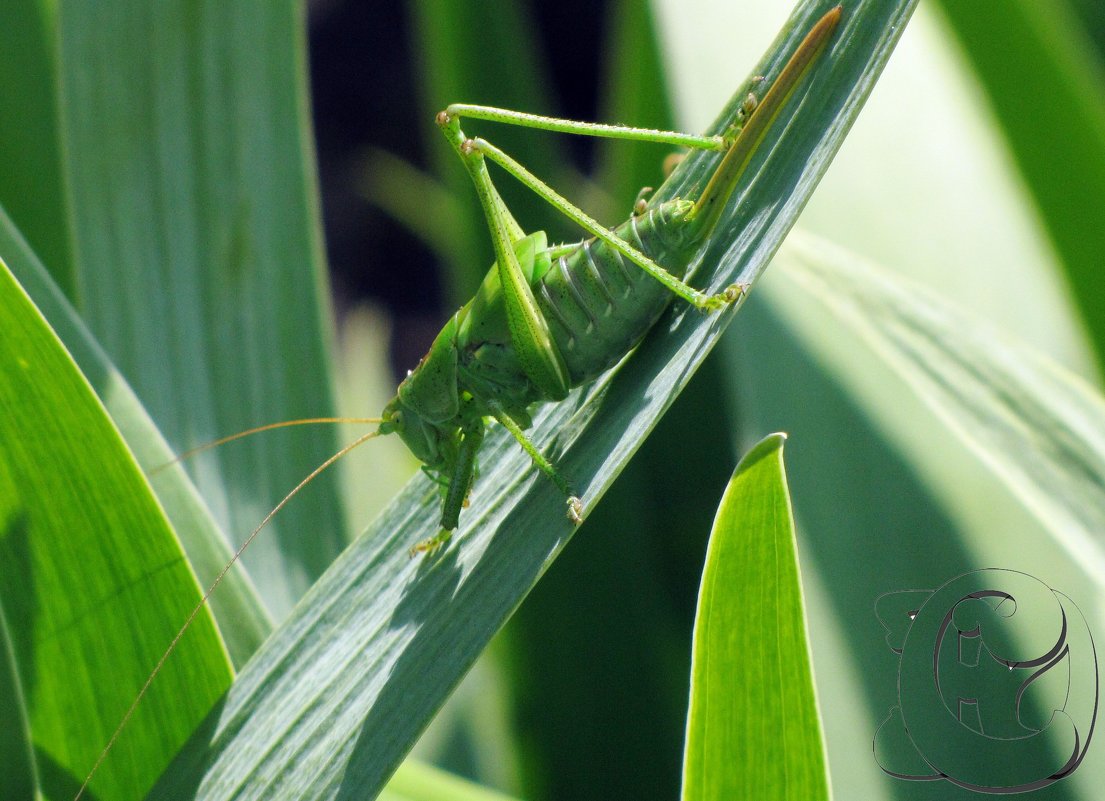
<point x="753" y="728"/>
<point x="242" y="619"/>
<point x="1038" y="428"/>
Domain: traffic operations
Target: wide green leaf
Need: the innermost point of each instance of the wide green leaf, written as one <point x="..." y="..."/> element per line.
<point x="82" y="541"/>
<point x="242" y="619"/>
<point x="331" y="703"/>
<point x="198" y="252"/>
<point x="753" y="728"/>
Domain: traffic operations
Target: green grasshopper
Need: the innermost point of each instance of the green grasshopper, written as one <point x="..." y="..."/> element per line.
<point x="545" y="319"/>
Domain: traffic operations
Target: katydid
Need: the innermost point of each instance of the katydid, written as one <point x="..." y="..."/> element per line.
<point x="545" y="319"/>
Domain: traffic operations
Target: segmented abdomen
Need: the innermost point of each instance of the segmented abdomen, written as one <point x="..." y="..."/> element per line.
<point x="598" y="304"/>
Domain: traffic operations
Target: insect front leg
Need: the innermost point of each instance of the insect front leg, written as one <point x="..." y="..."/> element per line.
<point x="460" y="483"/>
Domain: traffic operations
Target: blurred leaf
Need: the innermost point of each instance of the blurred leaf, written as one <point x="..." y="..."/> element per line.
<point x="1041" y="73"/>
<point x="76" y="512"/>
<point x="414" y="781"/>
<point x="889" y="496"/>
<point x="1040" y="429"/>
<point x="923" y="186"/>
<point x="198" y="252"/>
<point x="403" y="191"/>
<point x="31" y="183"/>
<point x="335" y="698"/>
<point x="635" y="92"/>
<point x="753" y="727"/>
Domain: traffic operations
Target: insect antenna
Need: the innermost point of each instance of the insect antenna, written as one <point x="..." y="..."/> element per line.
<point x="304" y="421"/>
<point x="222" y="574"/>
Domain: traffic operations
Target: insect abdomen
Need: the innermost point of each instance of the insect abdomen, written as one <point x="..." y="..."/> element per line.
<point x="598" y="304"/>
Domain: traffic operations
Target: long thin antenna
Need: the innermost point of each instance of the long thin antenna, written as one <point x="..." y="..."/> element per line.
<point x="203" y="601"/>
<point x="304" y="421"/>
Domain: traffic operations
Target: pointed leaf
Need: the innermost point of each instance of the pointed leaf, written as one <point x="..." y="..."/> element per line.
<point x="753" y="728"/>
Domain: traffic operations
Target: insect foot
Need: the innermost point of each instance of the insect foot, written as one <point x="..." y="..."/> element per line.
<point x="430" y="546"/>
<point x="749" y="104"/>
<point x="575" y="510"/>
<point x="735" y="292"/>
<point x="443" y="118"/>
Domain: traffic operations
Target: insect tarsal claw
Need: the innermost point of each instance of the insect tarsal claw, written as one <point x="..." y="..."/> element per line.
<point x="749" y="104"/>
<point x="432" y="545"/>
<point x="735" y="292"/>
<point x="575" y="510"/>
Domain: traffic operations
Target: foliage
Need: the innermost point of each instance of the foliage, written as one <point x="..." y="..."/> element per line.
<point x="168" y="189"/>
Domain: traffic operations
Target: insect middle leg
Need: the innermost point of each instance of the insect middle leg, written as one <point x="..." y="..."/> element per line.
<point x="575" y="505"/>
